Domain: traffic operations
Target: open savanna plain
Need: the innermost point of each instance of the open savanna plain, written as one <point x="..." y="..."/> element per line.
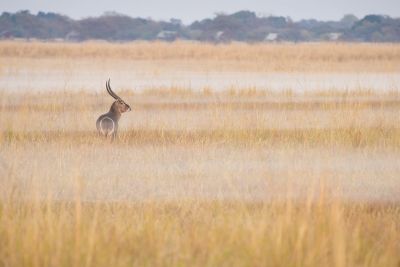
<point x="216" y="169"/>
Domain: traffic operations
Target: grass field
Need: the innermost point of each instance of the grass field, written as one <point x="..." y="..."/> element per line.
<point x="239" y="56"/>
<point x="236" y="177"/>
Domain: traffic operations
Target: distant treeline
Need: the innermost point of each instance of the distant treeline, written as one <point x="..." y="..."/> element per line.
<point x="243" y="26"/>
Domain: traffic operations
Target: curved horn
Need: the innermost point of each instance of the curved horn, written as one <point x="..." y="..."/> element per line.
<point x="111" y="92"/>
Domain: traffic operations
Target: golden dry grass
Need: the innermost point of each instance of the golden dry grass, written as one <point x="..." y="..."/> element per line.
<point x="241" y="177"/>
<point x="189" y="233"/>
<point x="339" y="57"/>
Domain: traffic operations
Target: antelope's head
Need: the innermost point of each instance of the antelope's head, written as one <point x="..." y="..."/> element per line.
<point x="119" y="105"/>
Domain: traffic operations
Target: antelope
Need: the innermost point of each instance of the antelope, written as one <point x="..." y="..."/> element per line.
<point x="107" y="124"/>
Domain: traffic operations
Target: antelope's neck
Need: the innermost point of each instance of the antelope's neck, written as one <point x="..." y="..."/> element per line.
<point x="116" y="115"/>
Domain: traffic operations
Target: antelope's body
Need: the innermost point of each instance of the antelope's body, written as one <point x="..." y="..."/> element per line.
<point x="107" y="124"/>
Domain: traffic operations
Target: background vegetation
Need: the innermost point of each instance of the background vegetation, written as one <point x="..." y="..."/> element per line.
<point x="244" y="26"/>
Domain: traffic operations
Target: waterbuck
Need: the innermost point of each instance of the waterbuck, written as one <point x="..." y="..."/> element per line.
<point x="107" y="124"/>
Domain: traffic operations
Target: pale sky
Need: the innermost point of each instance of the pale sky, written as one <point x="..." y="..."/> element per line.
<point x="189" y="11"/>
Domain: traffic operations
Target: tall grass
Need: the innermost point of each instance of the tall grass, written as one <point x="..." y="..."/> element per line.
<point x="198" y="233"/>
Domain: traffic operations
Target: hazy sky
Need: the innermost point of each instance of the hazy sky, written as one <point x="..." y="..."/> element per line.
<point x="190" y="11"/>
